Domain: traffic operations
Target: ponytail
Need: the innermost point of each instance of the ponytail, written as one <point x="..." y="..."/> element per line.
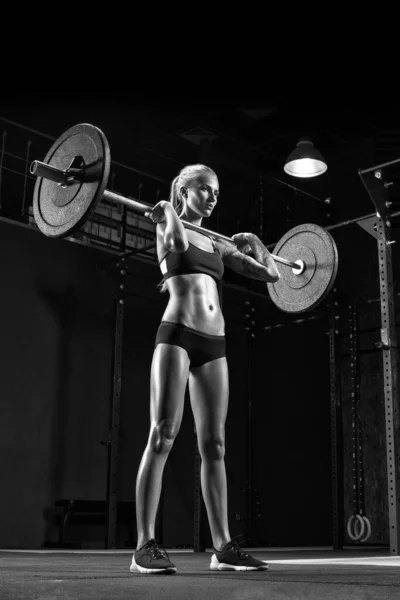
<point x="174" y="196"/>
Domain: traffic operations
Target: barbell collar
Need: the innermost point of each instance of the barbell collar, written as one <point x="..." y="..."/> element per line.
<point x="41" y="169"/>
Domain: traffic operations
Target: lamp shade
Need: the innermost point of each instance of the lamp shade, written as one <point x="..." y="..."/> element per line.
<point x="305" y="160"/>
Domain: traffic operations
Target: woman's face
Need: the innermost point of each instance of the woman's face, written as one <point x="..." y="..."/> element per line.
<point x="201" y="195"/>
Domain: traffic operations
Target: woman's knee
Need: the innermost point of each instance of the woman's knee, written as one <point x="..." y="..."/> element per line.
<point x="162" y="436"/>
<point x="212" y="447"/>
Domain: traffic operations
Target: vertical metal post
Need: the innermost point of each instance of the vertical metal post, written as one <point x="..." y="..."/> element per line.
<point x="124" y="220"/>
<point x="389" y="350"/>
<point x="377" y="190"/>
<point x="357" y="438"/>
<point x="249" y="440"/>
<point x="261" y="209"/>
<point x="336" y="438"/>
<point x="111" y="208"/>
<point x="27" y="163"/>
<point x="250" y="329"/>
<point x="114" y="427"/>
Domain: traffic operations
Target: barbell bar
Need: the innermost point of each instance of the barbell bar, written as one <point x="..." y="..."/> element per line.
<point x="74" y="175"/>
<point x="71" y="182"/>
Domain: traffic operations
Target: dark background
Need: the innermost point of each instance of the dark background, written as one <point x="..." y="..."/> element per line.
<point x="57" y="317"/>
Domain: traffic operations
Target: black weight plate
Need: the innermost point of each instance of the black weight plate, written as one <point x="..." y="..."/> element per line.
<point x="58" y="210"/>
<point x="316" y="247"/>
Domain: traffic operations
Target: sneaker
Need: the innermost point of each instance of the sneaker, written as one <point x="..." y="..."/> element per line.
<point x="233" y="558"/>
<point x="152" y="558"/>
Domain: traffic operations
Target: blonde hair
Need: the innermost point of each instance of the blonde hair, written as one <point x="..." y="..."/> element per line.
<point x="184" y="178"/>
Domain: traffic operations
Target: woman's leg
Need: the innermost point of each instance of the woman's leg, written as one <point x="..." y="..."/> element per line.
<point x="169" y="375"/>
<point x="209" y="393"/>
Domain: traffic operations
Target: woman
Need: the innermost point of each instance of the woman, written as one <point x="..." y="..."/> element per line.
<point x="190" y="346"/>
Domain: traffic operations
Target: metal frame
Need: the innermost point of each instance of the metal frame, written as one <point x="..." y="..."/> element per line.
<point x="357" y="439"/>
<point x="115" y="409"/>
<point x="377" y="190"/>
<point x="336" y="436"/>
<point x="250" y="329"/>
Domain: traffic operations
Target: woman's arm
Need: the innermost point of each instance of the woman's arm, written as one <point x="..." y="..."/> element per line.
<point x="169" y="227"/>
<point x="263" y="256"/>
<point x="262" y="267"/>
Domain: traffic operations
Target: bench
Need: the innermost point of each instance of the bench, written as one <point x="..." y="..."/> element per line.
<point x="93" y="512"/>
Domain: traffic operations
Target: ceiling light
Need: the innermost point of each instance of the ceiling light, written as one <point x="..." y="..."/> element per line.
<point x="305" y="160"/>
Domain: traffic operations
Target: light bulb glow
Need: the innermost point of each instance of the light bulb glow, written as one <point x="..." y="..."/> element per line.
<point x="305" y="167"/>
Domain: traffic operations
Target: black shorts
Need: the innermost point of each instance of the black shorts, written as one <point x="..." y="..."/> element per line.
<point x="201" y="347"/>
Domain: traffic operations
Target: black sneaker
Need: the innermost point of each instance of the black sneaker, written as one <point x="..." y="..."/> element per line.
<point x="233" y="558"/>
<point x="151" y="558"/>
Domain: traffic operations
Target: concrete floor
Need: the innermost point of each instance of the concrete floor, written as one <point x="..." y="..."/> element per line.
<point x="293" y="574"/>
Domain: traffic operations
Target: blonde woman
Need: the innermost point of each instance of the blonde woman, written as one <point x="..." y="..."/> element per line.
<point x="190" y="348"/>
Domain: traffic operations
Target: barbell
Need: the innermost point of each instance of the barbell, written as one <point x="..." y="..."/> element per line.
<point x="72" y="179"/>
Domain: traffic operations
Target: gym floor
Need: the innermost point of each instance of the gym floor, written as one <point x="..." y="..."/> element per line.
<point x="315" y="574"/>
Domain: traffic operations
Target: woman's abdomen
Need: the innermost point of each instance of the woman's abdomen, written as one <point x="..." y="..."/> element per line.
<point x="196" y="306"/>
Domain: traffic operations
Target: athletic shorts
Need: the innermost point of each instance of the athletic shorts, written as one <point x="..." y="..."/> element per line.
<point x="201" y="347"/>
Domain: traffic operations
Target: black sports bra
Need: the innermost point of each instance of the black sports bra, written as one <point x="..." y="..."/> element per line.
<point x="194" y="260"/>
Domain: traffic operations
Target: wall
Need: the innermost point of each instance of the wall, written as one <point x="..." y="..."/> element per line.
<point x="55" y="352"/>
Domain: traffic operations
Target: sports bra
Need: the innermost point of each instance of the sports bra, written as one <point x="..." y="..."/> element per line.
<point x="194" y="260"/>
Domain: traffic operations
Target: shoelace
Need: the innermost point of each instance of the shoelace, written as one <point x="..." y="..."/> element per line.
<point x="157" y="551"/>
<point x="236" y="548"/>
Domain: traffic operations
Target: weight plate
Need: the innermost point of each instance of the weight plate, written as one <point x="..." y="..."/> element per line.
<point x="316" y="247"/>
<point x="58" y="210"/>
